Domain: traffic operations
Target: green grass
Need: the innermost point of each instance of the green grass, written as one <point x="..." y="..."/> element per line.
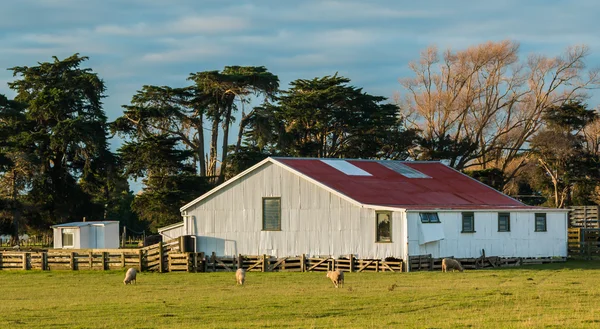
<point x="564" y="295"/>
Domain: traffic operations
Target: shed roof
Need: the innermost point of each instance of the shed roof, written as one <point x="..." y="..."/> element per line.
<point x="411" y="185"/>
<point x="80" y="224"/>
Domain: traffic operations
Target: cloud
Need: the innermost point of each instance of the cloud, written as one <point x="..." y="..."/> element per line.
<point x="181" y="26"/>
<point x="207" y="24"/>
<point x="186" y="50"/>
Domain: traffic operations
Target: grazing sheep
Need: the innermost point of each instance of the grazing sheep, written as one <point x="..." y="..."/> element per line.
<point x="130" y="276"/>
<point x="240" y="276"/>
<point x="337" y="277"/>
<point x="451" y="264"/>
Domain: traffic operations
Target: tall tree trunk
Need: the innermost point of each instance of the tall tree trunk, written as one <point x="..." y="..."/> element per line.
<point x="200" y="148"/>
<point x="243" y="123"/>
<point x="16" y="213"/>
<point x="212" y="161"/>
<point x="226" y="124"/>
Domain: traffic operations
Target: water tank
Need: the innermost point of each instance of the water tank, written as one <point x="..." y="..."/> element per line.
<point x="187" y="243"/>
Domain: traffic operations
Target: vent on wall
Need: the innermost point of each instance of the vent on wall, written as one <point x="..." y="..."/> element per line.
<point x="346" y="167"/>
<point x="403" y="169"/>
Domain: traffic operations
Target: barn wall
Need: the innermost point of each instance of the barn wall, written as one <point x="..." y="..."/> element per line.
<point x="313" y="220"/>
<point x="111" y="235"/>
<point x="172" y="233"/>
<point x="521" y="241"/>
<point x="81" y="240"/>
<point x="57" y="237"/>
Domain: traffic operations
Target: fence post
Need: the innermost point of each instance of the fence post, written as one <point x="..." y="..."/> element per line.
<point x="195" y="264"/>
<point x="213" y="260"/>
<point x="203" y="262"/>
<point x="303" y="263"/>
<point x="123" y="259"/>
<point x="25" y="260"/>
<point x="140" y="259"/>
<point x="240" y="261"/>
<point x="104" y="261"/>
<point x="264" y="263"/>
<point x="0" y="260"/>
<point x="72" y="260"/>
<point x="160" y="257"/>
<point x="351" y="262"/>
<point x="44" y="261"/>
<point x="91" y="260"/>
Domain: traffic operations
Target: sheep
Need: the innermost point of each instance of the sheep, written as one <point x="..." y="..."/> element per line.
<point x="130" y="276"/>
<point x="451" y="264"/>
<point x="337" y="277"/>
<point x="240" y="276"/>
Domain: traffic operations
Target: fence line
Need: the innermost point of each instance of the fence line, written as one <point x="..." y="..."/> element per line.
<point x="428" y="263"/>
<point x="167" y="257"/>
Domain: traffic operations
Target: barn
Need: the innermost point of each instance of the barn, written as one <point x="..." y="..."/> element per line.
<point x="370" y="208"/>
<point x="86" y="235"/>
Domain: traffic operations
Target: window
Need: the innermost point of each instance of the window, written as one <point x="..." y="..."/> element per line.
<point x="384" y="227"/>
<point x="271" y="214"/>
<point x="403" y="169"/>
<point x="504" y="222"/>
<point x="429" y="217"/>
<point x="67" y="239"/>
<point x="540" y="222"/>
<point x="468" y="222"/>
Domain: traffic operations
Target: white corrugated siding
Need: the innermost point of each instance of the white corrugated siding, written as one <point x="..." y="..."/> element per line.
<point x="172" y="233"/>
<point x="314" y="221"/>
<point x="521" y="241"/>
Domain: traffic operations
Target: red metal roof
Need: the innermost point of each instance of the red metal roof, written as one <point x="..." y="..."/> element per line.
<point x="445" y="188"/>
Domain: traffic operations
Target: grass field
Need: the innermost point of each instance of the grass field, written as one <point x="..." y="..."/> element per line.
<point x="564" y="295"/>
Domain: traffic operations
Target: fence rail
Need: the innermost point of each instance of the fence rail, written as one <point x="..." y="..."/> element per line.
<point x="428" y="263"/>
<point x="584" y="217"/>
<point x="167" y="257"/>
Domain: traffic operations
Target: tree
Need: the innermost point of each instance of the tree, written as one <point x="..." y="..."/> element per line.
<point x="178" y="112"/>
<point x="478" y="107"/>
<point x="13" y="170"/>
<point x="560" y="153"/>
<point x="234" y="83"/>
<point x="325" y="117"/>
<point x="65" y="140"/>
<point x="169" y="180"/>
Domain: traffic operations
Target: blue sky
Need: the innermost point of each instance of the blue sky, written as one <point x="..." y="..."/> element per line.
<point x="135" y="42"/>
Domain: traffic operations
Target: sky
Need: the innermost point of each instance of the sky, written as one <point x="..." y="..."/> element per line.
<point x="132" y="43"/>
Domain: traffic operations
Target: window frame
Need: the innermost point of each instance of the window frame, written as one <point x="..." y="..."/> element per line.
<point x="472" y="221"/>
<point x="428" y="220"/>
<point x="72" y="234"/>
<point x="507" y="216"/>
<point x="541" y="215"/>
<point x="278" y="214"/>
<point x="377" y="236"/>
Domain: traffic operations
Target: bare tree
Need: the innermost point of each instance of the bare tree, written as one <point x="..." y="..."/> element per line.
<point x="488" y="101"/>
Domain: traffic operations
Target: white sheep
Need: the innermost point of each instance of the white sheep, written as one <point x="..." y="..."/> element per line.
<point x="337" y="277"/>
<point x="240" y="276"/>
<point x="130" y="276"/>
<point x="451" y="264"/>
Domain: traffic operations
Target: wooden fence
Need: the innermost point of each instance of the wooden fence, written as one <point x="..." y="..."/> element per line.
<point x="167" y="257"/>
<point x="584" y="217"/>
<point x="97" y="259"/>
<point x="428" y="263"/>
<point x="199" y="262"/>
<point x="584" y="243"/>
<point x="144" y="259"/>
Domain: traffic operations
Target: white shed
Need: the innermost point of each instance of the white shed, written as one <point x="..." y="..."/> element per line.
<point x="369" y="208"/>
<point x="87" y="235"/>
